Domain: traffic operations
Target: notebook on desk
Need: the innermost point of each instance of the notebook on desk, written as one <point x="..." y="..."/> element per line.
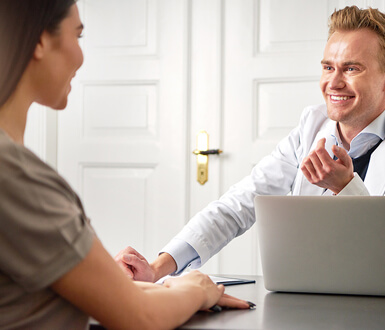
<point x="322" y="244"/>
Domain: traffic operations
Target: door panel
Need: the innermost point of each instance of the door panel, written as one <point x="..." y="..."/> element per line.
<point x="122" y="138"/>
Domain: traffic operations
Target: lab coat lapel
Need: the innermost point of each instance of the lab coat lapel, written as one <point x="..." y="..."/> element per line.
<point x="306" y="188"/>
<point x="375" y="177"/>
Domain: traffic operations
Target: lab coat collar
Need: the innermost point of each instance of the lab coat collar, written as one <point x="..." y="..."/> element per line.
<point x="375" y="177"/>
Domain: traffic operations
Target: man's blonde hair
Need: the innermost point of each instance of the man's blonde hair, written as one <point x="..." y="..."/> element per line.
<point x="352" y="18"/>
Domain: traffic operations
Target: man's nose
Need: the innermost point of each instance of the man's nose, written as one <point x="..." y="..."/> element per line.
<point x="336" y="80"/>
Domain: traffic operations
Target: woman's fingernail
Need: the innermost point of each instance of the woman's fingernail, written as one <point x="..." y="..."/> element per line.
<point x="126" y="258"/>
<point x="216" y="309"/>
<point x="252" y="305"/>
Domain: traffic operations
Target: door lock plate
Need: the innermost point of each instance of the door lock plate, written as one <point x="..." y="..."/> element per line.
<point x="202" y="152"/>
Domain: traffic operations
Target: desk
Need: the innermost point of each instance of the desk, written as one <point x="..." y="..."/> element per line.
<point x="293" y="311"/>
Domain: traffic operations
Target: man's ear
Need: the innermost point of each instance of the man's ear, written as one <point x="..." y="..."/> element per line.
<point x="42" y="46"/>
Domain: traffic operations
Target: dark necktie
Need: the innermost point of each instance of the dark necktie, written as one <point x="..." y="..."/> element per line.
<point x="361" y="163"/>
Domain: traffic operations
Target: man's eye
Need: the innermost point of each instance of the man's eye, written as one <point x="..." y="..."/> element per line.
<point x="328" y="68"/>
<point x="352" y="69"/>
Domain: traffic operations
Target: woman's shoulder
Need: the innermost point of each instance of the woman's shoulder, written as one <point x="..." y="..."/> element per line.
<point x="17" y="161"/>
<point x="16" y="158"/>
<point x="10" y="155"/>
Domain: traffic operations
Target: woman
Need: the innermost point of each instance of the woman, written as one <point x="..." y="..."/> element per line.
<point x="53" y="270"/>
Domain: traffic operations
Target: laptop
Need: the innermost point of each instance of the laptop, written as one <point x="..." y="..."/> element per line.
<point x="322" y="244"/>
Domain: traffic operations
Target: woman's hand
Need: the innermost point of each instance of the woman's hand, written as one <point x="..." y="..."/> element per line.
<point x="213" y="293"/>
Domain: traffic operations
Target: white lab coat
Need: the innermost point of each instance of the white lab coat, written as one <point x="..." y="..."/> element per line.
<point x="277" y="174"/>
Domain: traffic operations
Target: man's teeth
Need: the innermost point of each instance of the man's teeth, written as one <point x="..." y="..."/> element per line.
<point x="340" y="98"/>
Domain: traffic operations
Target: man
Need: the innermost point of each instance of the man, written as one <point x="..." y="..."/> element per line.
<point x="316" y="157"/>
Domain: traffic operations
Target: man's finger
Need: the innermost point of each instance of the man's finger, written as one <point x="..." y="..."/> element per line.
<point x="322" y="153"/>
<point x="306" y="173"/>
<point x="135" y="262"/>
<point x="342" y="155"/>
<point x="316" y="162"/>
<point x="126" y="269"/>
<point x="321" y="143"/>
<point x="131" y="250"/>
<point x="310" y="170"/>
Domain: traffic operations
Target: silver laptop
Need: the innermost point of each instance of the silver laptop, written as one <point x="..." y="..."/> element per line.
<point x="322" y="244"/>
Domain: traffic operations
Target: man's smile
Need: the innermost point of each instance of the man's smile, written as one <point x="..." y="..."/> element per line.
<point x="340" y="98"/>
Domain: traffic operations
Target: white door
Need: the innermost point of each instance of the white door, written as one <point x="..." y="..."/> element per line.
<point x="122" y="140"/>
<point x="157" y="72"/>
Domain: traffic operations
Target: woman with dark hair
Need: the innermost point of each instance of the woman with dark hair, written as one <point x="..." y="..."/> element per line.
<point x="54" y="272"/>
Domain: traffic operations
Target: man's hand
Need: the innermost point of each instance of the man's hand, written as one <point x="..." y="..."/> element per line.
<point x="322" y="170"/>
<point x="135" y="265"/>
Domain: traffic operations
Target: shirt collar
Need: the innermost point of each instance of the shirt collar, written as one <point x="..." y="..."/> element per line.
<point x="366" y="139"/>
<point x="377" y="126"/>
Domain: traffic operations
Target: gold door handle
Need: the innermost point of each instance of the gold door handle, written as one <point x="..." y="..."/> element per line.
<point x="202" y="152"/>
<point x="208" y="152"/>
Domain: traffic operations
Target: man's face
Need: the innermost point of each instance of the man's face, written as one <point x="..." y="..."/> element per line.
<point x="352" y="82"/>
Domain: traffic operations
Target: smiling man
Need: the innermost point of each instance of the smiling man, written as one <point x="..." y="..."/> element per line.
<point x="353" y="84"/>
<point x="336" y="149"/>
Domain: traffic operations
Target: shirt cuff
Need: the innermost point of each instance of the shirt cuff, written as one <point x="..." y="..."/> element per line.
<point x="355" y="187"/>
<point x="183" y="254"/>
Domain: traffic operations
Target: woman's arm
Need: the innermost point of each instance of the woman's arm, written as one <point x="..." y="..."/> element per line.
<point x="98" y="287"/>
